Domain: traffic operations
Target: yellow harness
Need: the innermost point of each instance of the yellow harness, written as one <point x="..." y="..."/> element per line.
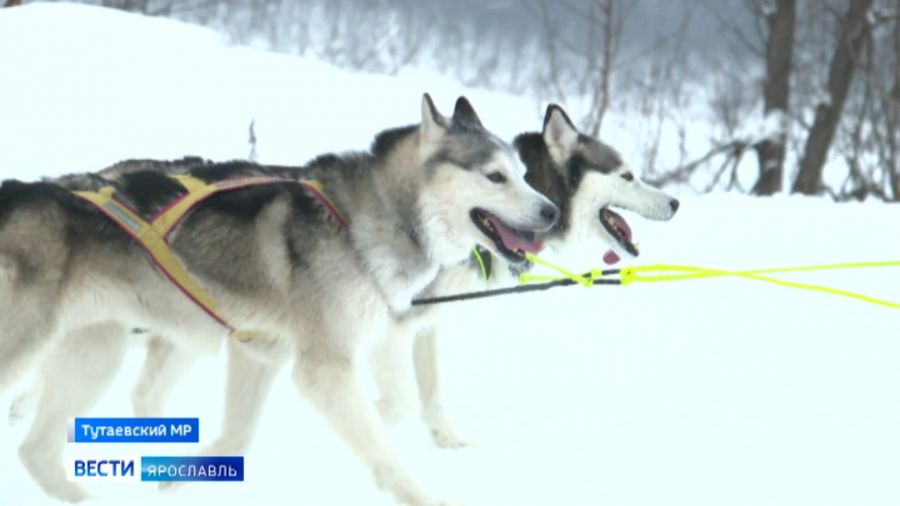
<point x="152" y="235"/>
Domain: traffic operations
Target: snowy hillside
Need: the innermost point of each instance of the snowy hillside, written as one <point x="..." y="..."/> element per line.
<point x="717" y="392"/>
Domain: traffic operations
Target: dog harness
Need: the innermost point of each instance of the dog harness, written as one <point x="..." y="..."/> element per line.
<point x="153" y="235"/>
<point x="485" y="261"/>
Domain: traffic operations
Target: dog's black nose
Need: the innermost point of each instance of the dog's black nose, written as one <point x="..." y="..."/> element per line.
<point x="674" y="204"/>
<point x="550" y="213"/>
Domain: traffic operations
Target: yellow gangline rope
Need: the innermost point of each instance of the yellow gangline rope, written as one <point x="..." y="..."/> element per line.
<point x="669" y="272"/>
<point x="586" y="281"/>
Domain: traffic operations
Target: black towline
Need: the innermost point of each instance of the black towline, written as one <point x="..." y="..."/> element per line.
<point x="536" y="287"/>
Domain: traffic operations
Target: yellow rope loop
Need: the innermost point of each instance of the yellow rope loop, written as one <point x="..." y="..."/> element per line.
<point x="656" y="273"/>
<point x="581" y="280"/>
<point x="687" y="272"/>
<point x="693" y="272"/>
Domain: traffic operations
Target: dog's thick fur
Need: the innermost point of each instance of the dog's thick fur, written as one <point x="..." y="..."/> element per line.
<point x="578" y="173"/>
<point x="274" y="260"/>
<point x="583" y="177"/>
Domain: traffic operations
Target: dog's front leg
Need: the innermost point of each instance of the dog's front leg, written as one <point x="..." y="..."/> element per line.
<point x="164" y="365"/>
<point x="328" y="379"/>
<point x="74" y="377"/>
<point x="390" y="360"/>
<point x="426" y="364"/>
<point x="251" y="368"/>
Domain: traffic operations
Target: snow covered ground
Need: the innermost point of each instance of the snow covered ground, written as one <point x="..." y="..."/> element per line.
<point x="717" y="392"/>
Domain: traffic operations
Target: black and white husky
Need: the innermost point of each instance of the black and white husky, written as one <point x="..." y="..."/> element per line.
<point x="274" y="259"/>
<point x="585" y="178"/>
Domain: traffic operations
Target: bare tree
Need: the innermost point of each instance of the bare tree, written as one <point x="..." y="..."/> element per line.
<point x="869" y="144"/>
<point x="883" y="121"/>
<point x="891" y="145"/>
<point x="552" y="51"/>
<point x="581" y="45"/>
<point x="12" y="3"/>
<point x="601" y="66"/>
<point x="853" y="34"/>
<point x="776" y="95"/>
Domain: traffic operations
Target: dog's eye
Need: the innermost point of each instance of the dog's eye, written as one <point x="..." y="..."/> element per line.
<point x="496" y="177"/>
<point x="628" y="176"/>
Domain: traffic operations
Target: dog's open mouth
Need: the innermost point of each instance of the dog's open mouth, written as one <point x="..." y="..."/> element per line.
<point x="510" y="242"/>
<point x="617" y="227"/>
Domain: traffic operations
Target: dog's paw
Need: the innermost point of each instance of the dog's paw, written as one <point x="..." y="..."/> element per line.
<point x="447" y="439"/>
<point x="68" y="492"/>
<point x="435" y="502"/>
<point x="441" y="429"/>
<point x="394" y="481"/>
<point x="169" y="487"/>
<point x="429" y="502"/>
<point x="20" y="409"/>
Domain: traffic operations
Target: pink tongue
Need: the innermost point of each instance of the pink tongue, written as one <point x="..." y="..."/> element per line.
<point x="623" y="225"/>
<point x="610" y="257"/>
<point x="512" y="240"/>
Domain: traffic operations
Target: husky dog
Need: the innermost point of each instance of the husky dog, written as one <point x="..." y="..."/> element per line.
<point x="558" y="161"/>
<point x="581" y="175"/>
<point x="275" y="261"/>
<point x="585" y="178"/>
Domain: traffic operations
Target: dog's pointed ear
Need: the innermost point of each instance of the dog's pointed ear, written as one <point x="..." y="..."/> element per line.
<point x="560" y="135"/>
<point x="464" y="113"/>
<point x="433" y="124"/>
